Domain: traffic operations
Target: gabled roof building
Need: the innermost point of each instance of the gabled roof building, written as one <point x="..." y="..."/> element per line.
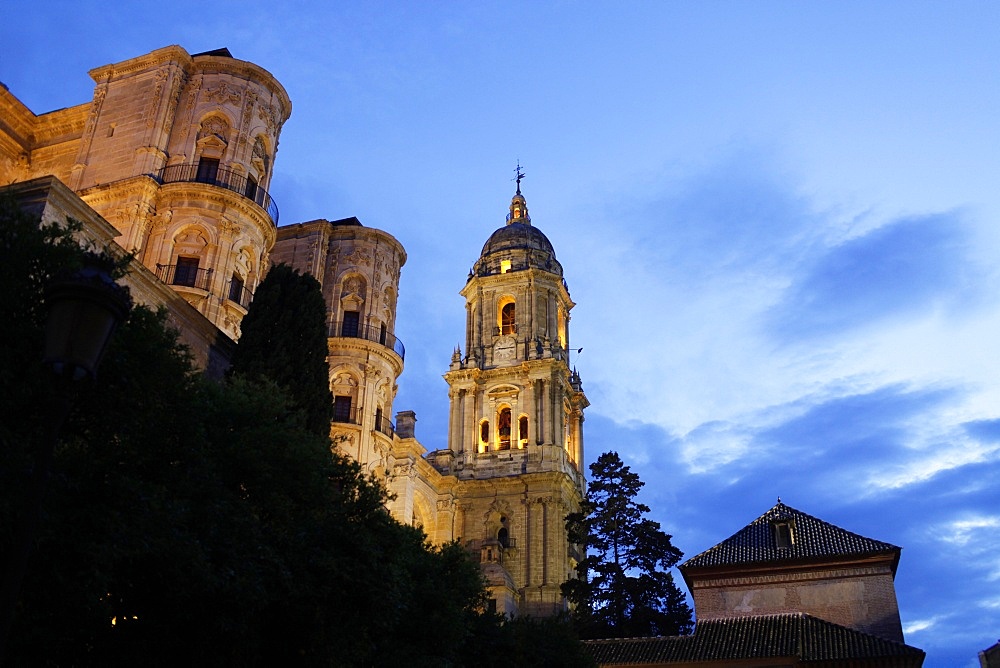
<point x="788" y="589"/>
<point x="786" y="561"/>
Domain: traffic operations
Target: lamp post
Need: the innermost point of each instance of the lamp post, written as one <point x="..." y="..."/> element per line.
<point x="85" y="308"/>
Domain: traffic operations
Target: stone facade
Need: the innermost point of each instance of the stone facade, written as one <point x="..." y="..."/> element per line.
<point x="176" y="151"/>
<point x="511" y="470"/>
<point x="860" y="596"/>
<point x="358" y="268"/>
<point x="171" y="160"/>
<point x="786" y="561"/>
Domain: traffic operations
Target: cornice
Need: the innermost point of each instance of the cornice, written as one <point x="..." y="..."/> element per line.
<point x="196" y="65"/>
<point x="16" y="120"/>
<point x="547" y="368"/>
<point x="520" y="277"/>
<point x="243" y="69"/>
<point x="349" y="346"/>
<point x="522" y="483"/>
<point x="192" y="195"/>
<point x="791" y="570"/>
<point x="370" y="234"/>
<point x="60" y="125"/>
<point x="788" y="577"/>
<point x="146" y="61"/>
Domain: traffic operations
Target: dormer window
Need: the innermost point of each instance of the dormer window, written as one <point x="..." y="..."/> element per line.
<point x="784" y="534"/>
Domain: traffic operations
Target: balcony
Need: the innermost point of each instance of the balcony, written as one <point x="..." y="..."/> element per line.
<point x="384" y="425"/>
<point x="348" y="416"/>
<point x="229" y="179"/>
<point x="492" y="550"/>
<point x="352" y="329"/>
<point x="184" y="275"/>
<point x="238" y="294"/>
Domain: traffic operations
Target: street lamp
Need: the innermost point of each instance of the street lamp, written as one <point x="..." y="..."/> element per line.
<point x="85" y="308"/>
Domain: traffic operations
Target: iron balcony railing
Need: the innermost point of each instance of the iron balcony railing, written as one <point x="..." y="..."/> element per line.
<point x="223" y="178"/>
<point x="349" y="416"/>
<point x="238" y="293"/>
<point x="379" y="334"/>
<point x="383" y="425"/>
<point x="491" y="549"/>
<point x="191" y="277"/>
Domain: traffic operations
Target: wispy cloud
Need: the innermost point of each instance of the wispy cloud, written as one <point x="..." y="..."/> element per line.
<point x="900" y="268"/>
<point x="917" y="625"/>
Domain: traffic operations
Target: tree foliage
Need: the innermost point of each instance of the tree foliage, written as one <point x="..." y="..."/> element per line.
<point x="624" y="586"/>
<point x="283" y="338"/>
<point x="188" y="522"/>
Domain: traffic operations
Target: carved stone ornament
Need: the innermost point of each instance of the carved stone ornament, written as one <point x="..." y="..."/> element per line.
<point x="162" y="220"/>
<point x="360" y="256"/>
<point x="224" y="93"/>
<point x="248" y="113"/>
<point x="150" y="113"/>
<point x="269" y="115"/>
<point x="214" y="126"/>
<point x="352" y="286"/>
<point x="228" y="226"/>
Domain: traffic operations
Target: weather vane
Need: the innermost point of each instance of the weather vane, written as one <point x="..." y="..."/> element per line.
<point x="520" y="175"/>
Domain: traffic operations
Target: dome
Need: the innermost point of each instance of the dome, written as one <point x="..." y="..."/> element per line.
<point x="521" y="236"/>
<point x="517" y="245"/>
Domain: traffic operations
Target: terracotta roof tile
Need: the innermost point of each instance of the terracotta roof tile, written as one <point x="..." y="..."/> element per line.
<point x="768" y="636"/>
<point x="812" y="538"/>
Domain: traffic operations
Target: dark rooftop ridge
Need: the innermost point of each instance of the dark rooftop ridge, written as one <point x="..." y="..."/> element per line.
<point x="811" y="539"/>
<point x="760" y="637"/>
<point x="220" y="53"/>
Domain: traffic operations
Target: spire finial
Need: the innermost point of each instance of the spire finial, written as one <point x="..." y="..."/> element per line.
<point x="518" y="207"/>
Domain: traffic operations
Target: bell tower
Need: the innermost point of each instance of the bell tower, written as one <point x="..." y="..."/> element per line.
<point x="516" y="418"/>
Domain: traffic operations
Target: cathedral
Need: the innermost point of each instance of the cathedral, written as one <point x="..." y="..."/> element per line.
<point x="172" y="160"/>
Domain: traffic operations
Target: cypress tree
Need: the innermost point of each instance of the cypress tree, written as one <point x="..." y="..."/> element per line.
<point x="284" y="340"/>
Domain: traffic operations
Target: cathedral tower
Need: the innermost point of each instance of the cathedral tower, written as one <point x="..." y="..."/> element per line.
<point x="516" y="418"/>
<point x="358" y="268"/>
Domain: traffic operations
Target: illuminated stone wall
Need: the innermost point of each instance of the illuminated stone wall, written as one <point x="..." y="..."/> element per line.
<point x="133" y="154"/>
<point x="858" y="596"/>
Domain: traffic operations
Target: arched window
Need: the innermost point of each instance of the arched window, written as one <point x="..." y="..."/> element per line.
<point x="484" y="435"/>
<point x="522" y="430"/>
<point x="508" y="324"/>
<point x="236" y="285"/>
<point x="503" y="537"/>
<point x="503" y="428"/>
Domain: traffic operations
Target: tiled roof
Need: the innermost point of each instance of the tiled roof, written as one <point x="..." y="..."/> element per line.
<point x="769" y="636"/>
<point x="812" y="539"/>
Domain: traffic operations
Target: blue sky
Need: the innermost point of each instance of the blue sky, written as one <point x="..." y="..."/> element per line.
<point x="778" y="220"/>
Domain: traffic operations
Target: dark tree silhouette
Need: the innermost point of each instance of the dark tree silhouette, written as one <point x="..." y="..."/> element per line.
<point x="284" y="339"/>
<point x="623" y="587"/>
